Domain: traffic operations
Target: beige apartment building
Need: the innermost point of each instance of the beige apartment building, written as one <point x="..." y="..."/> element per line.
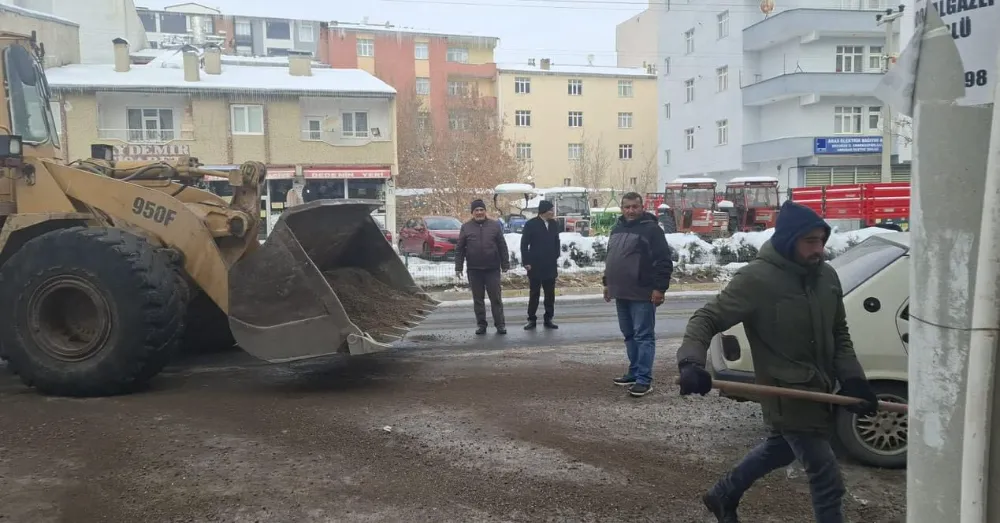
<point x="581" y="126"/>
<point x="333" y="127"/>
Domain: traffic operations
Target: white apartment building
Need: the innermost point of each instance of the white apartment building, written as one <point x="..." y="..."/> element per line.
<point x="786" y="94"/>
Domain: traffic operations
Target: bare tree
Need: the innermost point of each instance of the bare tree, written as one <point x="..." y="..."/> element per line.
<point x="647" y="174"/>
<point x="593" y="169"/>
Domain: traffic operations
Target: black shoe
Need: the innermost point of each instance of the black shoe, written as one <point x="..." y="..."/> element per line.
<point x="724" y="511"/>
<point x="501" y="330"/>
<point x="481" y="330"/>
<point x="530" y="326"/>
<point x="550" y="325"/>
<point x="639" y="390"/>
<point x="625" y="381"/>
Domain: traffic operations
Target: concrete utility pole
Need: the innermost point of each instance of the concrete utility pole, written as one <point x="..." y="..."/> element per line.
<point x="887" y="20"/>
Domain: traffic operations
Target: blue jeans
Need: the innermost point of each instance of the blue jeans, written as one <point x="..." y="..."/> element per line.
<point x="637" y="321"/>
<point x="779" y="450"/>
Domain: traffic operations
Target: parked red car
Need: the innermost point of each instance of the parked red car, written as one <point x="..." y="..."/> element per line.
<point x="432" y="237"/>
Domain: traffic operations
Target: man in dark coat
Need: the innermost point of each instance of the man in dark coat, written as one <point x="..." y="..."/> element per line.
<point x="791" y="305"/>
<point x="636" y="275"/>
<point x="482" y="245"/>
<point x="540" y="256"/>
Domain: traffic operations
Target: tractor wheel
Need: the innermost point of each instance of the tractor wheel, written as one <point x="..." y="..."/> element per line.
<point x="90" y="312"/>
<point x="206" y="328"/>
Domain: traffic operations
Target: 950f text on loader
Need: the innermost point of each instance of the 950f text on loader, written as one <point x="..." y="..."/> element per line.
<point x="107" y="268"/>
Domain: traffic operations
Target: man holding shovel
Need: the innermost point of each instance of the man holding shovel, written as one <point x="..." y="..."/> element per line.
<point x="791" y="305"/>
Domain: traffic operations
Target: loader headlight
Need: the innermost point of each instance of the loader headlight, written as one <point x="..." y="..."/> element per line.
<point x="10" y="146"/>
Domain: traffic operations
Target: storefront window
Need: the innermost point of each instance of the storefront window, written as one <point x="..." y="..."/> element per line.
<point x="323" y="190"/>
<point x="365" y="189"/>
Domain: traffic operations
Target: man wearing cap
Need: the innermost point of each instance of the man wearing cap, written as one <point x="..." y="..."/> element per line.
<point x="540" y="256"/>
<point x="482" y="247"/>
<point x="791" y="305"/>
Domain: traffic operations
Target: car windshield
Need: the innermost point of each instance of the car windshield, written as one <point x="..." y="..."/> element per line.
<point x="443" y="224"/>
<point x="569" y="204"/>
<point x="866" y="259"/>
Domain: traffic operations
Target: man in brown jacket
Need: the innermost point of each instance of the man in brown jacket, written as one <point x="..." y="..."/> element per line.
<point x="482" y="245"/>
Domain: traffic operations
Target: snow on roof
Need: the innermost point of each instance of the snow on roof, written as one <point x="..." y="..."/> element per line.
<point x="557" y="190"/>
<point x="754" y="179"/>
<point x="175" y="57"/>
<point x="518" y="188"/>
<point x="694" y="180"/>
<point x="577" y="70"/>
<point x="165" y="76"/>
<point x="37" y="14"/>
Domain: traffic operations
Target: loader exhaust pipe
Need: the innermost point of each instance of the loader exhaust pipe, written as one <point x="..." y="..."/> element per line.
<point x="324" y="282"/>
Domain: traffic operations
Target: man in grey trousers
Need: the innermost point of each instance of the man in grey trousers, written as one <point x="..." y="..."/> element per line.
<point x="482" y="247"/>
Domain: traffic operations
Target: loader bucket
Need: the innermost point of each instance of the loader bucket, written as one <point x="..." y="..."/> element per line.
<point x="325" y="281"/>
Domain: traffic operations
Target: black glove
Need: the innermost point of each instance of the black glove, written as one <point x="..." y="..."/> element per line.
<point x="694" y="379"/>
<point x="859" y="388"/>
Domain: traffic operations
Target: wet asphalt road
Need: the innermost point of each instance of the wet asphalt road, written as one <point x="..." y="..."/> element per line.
<point x="579" y="322"/>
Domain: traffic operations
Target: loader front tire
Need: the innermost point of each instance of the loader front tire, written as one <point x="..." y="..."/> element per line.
<point x="89" y="312"/>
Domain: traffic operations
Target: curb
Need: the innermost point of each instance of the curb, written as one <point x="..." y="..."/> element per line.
<point x="523" y="300"/>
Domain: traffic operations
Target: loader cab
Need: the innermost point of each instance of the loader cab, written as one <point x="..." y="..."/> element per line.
<point x="27" y="96"/>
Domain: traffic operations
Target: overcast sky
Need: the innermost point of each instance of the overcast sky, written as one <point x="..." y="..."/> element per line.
<point x="564" y="30"/>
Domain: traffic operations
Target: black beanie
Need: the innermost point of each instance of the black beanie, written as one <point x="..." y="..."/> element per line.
<point x="478" y="204"/>
<point x="544" y="206"/>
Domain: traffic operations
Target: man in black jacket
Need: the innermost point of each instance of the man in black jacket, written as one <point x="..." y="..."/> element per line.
<point x="482" y="245"/>
<point x="540" y="256"/>
<point x="637" y="274"/>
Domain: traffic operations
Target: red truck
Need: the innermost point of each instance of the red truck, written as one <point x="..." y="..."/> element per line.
<point x="873" y="204"/>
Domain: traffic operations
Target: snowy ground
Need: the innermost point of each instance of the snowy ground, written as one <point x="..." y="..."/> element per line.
<point x="692" y="255"/>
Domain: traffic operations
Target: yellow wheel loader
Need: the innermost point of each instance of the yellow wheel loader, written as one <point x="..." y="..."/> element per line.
<point x="107" y="268"/>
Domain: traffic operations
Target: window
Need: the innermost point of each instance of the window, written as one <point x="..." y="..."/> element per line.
<point x="423" y="86"/>
<point x="666" y="66"/>
<point x="624" y="120"/>
<point x="522" y="85"/>
<point x="421" y="51"/>
<point x="850" y="58"/>
<point x="355" y="124"/>
<point x="723" y="23"/>
<point x="625" y="151"/>
<point x="875" y="58"/>
<point x="689" y="90"/>
<point x="575" y="151"/>
<point x="423" y="121"/>
<point x="722" y="132"/>
<point x="576" y="119"/>
<point x="248" y="119"/>
<point x="243" y="28"/>
<point x="458" y="54"/>
<point x="874" y="118"/>
<point x="689" y="138"/>
<point x="624" y="88"/>
<point x="666" y="157"/>
<point x="173" y="23"/>
<point x="458" y="88"/>
<point x="722" y="75"/>
<point x="689" y="41"/>
<point x="207" y="26"/>
<point x="148" y="20"/>
<point x="150" y="125"/>
<point x="366" y="47"/>
<point x="567" y="182"/>
<point x="574" y="87"/>
<point x="457" y="121"/>
<point x="861" y="262"/>
<point x="847" y="120"/>
<point x="523" y="151"/>
<point x="522" y="118"/>
<point x="313" y="129"/>
<point x="666" y="111"/>
<point x="278" y="31"/>
<point x="306" y="32"/>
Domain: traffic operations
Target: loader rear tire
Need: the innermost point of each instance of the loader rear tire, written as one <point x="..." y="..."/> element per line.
<point x="89" y="312"/>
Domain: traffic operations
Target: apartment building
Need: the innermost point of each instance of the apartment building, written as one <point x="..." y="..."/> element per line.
<point x="764" y="89"/>
<point x="193" y="23"/>
<point x="334" y="127"/>
<point x="60" y="36"/>
<point x="97" y="23"/>
<point x="436" y="67"/>
<point x="587" y="126"/>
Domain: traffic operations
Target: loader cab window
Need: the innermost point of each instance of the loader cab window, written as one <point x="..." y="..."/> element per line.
<point x="28" y="95"/>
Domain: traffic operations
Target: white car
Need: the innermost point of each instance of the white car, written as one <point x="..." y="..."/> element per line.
<point x="875" y="275"/>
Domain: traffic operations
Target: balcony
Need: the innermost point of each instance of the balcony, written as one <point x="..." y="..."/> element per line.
<point x="779" y="149"/>
<point x="805" y="147"/>
<point x="460" y="70"/>
<point x="810" y="24"/>
<point x="145" y="136"/>
<point x="792" y="85"/>
<point x="336" y="138"/>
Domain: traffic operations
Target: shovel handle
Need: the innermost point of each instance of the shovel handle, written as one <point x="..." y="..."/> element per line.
<point x="751" y="389"/>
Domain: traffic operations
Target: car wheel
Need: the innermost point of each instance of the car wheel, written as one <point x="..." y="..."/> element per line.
<point x="879" y="440"/>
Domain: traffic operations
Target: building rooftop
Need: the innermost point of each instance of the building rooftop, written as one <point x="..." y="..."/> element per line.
<point x="167" y="77"/>
<point x="36" y="14"/>
<point x="157" y="55"/>
<point x="577" y="70"/>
